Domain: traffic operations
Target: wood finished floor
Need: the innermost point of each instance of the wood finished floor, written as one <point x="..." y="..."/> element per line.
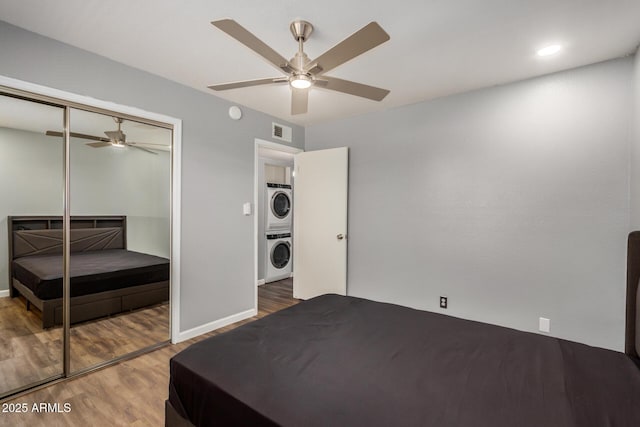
<point x="131" y="393"/>
<point x="29" y="353"/>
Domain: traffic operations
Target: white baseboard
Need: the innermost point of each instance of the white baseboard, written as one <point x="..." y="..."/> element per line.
<point x="216" y="324"/>
<point x="4" y="293"/>
<point x="261" y="282"/>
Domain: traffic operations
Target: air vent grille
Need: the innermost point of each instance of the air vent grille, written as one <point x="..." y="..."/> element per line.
<point x="281" y="132"/>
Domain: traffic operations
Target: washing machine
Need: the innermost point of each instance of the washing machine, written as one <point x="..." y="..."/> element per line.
<point x="278" y="256"/>
<point x="279" y="206"/>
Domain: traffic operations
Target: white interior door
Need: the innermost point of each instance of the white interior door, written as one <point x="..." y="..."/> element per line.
<point x="320" y="223"/>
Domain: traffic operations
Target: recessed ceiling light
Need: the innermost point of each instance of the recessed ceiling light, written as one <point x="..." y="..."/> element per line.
<point x="549" y="50"/>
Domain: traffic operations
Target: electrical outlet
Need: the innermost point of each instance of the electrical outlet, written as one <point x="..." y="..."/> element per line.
<point x="443" y="302"/>
<point x="544" y="325"/>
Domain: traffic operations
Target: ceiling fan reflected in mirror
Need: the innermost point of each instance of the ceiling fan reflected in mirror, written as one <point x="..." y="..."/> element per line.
<point x="302" y="73"/>
<point x="116" y="138"/>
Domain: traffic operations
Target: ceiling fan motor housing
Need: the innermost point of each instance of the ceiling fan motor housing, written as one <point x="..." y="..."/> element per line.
<point x="301" y="30"/>
<point x="300" y="61"/>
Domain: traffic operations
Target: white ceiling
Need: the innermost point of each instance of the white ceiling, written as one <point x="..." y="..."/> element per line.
<point x="437" y="47"/>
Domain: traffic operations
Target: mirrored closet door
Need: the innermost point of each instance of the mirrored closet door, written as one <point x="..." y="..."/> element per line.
<point x="31" y="242"/>
<point x="85" y="214"/>
<point x="120" y="237"/>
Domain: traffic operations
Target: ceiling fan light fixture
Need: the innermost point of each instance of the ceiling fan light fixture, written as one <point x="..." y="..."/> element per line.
<point x="300" y="81"/>
<point x="118" y="144"/>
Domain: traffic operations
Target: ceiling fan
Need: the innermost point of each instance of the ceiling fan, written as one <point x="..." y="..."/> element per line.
<point x="116" y="138"/>
<point x="303" y="73"/>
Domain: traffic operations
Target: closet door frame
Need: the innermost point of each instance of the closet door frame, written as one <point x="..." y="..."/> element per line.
<point x="67" y="101"/>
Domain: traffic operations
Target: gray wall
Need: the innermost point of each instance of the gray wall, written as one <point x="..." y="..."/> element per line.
<point x="31" y="182"/>
<point x="127" y="182"/>
<point x="217" y="170"/>
<point x="512" y="201"/>
<point x="103" y="182"/>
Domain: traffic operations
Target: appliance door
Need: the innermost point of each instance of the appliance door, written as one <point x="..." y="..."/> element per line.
<point x="280" y="254"/>
<point x="280" y="204"/>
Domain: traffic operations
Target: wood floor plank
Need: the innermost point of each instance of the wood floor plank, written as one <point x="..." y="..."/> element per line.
<point x="131" y="393"/>
<point x="29" y="353"/>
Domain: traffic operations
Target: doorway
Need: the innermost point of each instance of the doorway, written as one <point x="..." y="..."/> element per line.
<point x="273" y="212"/>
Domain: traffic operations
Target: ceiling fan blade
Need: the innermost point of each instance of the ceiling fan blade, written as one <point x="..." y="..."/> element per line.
<point x="239" y="33"/>
<point x="77" y="135"/>
<point x="140" y="148"/>
<point x="247" y="83"/>
<point x="152" y="146"/>
<point x="352" y="88"/>
<point x="99" y="144"/>
<point x="299" y="101"/>
<point x="147" y="143"/>
<point x="366" y="38"/>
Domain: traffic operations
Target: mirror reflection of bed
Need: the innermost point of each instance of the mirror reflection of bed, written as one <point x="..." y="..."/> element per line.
<point x="120" y="232"/>
<point x="107" y="280"/>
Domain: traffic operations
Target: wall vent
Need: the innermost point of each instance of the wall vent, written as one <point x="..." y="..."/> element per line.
<point x="280" y="132"/>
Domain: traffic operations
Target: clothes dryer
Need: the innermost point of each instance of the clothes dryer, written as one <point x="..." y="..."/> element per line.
<point x="278" y="256"/>
<point x="279" y="203"/>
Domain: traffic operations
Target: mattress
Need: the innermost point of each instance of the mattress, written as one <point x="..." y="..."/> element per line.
<point x="345" y="361"/>
<point x="91" y="272"/>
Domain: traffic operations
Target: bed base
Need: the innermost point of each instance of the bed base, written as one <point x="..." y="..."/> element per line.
<point x="172" y="418"/>
<point x="93" y="306"/>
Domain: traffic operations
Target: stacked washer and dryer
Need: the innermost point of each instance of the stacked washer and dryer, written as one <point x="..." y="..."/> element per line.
<point x="279" y="205"/>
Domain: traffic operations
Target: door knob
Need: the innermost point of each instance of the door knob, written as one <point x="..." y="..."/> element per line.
<point x="340" y="236"/>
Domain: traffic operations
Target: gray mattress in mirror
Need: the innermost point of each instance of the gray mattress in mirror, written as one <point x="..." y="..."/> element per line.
<point x="91" y="272"/>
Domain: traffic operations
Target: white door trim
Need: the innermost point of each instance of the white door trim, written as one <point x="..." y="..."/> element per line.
<point x="277" y="147"/>
<point x="176" y="172"/>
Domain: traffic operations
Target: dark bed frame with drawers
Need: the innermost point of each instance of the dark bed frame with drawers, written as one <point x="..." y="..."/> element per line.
<point x="39" y="235"/>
